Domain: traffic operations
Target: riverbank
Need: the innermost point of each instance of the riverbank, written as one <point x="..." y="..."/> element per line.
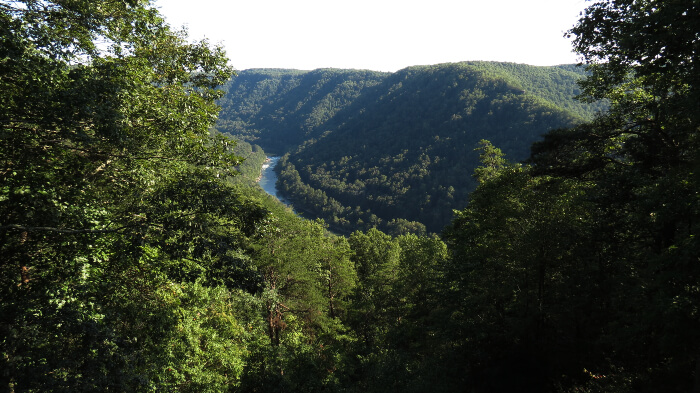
<point x="268" y="179"/>
<point x="265" y="165"/>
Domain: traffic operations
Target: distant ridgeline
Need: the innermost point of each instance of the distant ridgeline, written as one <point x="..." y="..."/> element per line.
<point x="395" y="150"/>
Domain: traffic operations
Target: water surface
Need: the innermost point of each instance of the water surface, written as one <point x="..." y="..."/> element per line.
<point x="268" y="179"/>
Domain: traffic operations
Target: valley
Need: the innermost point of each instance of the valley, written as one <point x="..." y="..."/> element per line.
<point x="466" y="227"/>
<point x="396" y="151"/>
<point x="268" y="179"/>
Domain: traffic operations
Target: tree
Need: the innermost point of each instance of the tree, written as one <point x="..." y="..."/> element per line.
<point x="577" y="268"/>
<point x="111" y="196"/>
<point x="492" y="161"/>
<point x="639" y="162"/>
<point x="376" y="258"/>
<point x="518" y="267"/>
<point x="414" y="352"/>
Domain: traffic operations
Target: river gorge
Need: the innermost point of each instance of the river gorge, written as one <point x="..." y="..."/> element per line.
<point x="268" y="179"/>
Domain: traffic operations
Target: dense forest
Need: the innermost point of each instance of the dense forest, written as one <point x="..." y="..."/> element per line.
<point x="137" y="254"/>
<point x="396" y="151"/>
<point x="281" y="109"/>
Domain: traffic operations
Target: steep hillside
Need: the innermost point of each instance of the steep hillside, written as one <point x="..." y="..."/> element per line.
<point x="396" y="150"/>
<point x="554" y="84"/>
<point x="280" y="109"/>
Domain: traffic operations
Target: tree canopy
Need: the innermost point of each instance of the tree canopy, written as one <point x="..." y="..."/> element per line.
<point x="583" y="264"/>
<point x="112" y="209"/>
<point x="132" y="259"/>
<point x="395" y="150"/>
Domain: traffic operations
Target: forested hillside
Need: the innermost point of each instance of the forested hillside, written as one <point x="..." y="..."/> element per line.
<point x="396" y="151"/>
<point x="280" y="109"/>
<point x="136" y="255"/>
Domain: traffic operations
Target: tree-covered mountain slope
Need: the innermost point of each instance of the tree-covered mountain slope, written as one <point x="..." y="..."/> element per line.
<point x="136" y="257"/>
<point x="280" y="109"/>
<point x="396" y="150"/>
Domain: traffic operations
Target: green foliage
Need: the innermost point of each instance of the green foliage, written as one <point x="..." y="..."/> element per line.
<point x="207" y="330"/>
<point x="281" y="109"/>
<point x="522" y="259"/>
<point x="249" y="170"/>
<point x="117" y="224"/>
<point x="137" y="255"/>
<point x="396" y="151"/>
<point x="579" y="272"/>
<point x="492" y="162"/>
<point x="376" y="257"/>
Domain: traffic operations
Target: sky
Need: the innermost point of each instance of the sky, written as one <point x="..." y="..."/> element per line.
<point x="379" y="35"/>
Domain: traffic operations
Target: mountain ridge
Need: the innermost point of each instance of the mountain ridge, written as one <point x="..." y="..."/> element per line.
<point x="366" y="148"/>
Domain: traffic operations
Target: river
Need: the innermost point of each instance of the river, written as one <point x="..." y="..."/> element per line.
<point x="268" y="179"/>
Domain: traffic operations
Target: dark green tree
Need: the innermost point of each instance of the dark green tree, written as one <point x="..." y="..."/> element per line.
<point x="575" y="273"/>
<point x="640" y="163"/>
<point x="376" y="258"/>
<point x="116" y="223"/>
<point x="521" y="263"/>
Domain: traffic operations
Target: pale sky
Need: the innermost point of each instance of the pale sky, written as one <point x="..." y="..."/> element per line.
<point x="380" y="35"/>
